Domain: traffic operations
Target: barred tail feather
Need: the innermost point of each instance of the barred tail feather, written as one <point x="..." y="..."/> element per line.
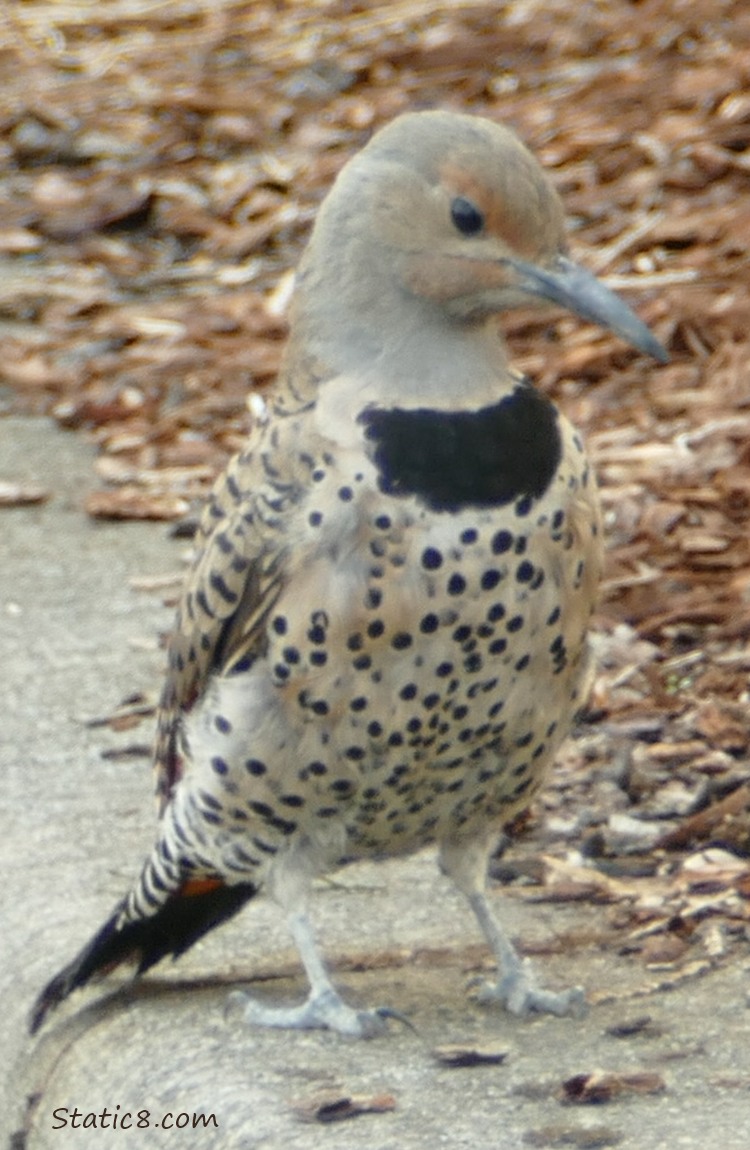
<point x="195" y="908"/>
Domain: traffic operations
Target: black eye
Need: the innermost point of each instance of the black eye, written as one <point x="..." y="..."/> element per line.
<point x="466" y="216"/>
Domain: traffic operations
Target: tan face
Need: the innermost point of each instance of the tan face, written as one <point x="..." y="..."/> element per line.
<point x="458" y="220"/>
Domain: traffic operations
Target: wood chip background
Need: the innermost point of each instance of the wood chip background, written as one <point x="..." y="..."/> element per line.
<point x="160" y="165"/>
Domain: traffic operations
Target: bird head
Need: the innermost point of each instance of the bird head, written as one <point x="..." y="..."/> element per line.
<point x="442" y="221"/>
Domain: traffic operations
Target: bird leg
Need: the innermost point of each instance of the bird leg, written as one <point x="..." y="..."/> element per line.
<point x="516" y="987"/>
<point x="323" y="1008"/>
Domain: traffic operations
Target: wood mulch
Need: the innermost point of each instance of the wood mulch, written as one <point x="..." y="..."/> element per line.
<point x="161" y="163"/>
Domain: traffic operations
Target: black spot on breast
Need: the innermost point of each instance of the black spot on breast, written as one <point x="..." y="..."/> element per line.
<point x="456" y="459"/>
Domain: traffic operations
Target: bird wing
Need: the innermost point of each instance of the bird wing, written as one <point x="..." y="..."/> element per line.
<point x="236" y="577"/>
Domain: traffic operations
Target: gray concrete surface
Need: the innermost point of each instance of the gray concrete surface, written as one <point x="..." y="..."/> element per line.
<point x="74" y="640"/>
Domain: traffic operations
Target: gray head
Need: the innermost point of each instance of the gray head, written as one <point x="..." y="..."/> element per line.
<point x="442" y="221"/>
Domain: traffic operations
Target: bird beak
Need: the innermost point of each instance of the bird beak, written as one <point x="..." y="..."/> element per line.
<point x="566" y="283"/>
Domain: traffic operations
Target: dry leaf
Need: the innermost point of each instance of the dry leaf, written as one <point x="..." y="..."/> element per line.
<point x="471" y="1054"/>
<point x="332" y="1106"/>
<point x="633" y="1026"/>
<point x="131" y="503"/>
<point x="716" y="820"/>
<point x="22" y="494"/>
<point x="604" y="1086"/>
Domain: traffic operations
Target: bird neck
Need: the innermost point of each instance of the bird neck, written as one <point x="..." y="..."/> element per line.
<point x="400" y="350"/>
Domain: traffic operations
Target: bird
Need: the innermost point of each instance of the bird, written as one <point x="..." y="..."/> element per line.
<point x="383" y="637"/>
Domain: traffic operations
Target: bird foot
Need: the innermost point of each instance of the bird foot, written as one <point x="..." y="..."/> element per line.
<point x="322" y="1011"/>
<point x="520" y="995"/>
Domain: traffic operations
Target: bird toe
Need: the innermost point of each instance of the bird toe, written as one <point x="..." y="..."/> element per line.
<point x="323" y="1011"/>
<point x="519" y="995"/>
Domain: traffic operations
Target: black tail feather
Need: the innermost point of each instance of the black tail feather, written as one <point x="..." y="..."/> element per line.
<point x="184" y="918"/>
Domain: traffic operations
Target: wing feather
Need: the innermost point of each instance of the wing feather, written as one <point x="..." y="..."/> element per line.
<point x="237" y="574"/>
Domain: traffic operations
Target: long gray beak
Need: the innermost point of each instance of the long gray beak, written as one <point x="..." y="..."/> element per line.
<point x="576" y="289"/>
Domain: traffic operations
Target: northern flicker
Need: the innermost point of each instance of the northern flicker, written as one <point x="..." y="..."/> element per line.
<point x="383" y="638"/>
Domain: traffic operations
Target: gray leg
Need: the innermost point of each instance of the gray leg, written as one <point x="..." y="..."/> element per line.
<point x="515" y="988"/>
<point x="323" y="1007"/>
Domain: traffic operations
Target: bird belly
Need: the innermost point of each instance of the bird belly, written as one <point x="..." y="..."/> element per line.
<point x="416" y="690"/>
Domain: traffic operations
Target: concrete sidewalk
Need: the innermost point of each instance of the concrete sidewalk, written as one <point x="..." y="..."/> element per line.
<point x="74" y="641"/>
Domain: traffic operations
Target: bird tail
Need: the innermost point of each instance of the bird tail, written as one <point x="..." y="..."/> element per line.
<point x="148" y="933"/>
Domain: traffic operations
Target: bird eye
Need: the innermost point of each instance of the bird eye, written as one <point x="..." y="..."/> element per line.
<point x="466" y="216"/>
